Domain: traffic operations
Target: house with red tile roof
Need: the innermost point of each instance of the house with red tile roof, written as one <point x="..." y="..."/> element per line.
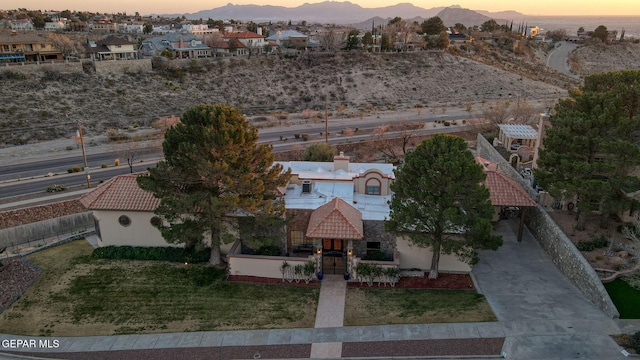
<point x="335" y="210"/>
<point x="253" y="43"/>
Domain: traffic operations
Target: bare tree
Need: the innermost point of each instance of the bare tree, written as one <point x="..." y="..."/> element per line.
<point x="523" y="112"/>
<point x="393" y="140"/>
<point x="63" y="43"/>
<point x="332" y="41"/>
<point x="498" y="113"/>
<point x="130" y="150"/>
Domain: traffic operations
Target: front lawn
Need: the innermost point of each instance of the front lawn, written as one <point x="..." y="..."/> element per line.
<point x="77" y="295"/>
<point x="365" y="306"/>
<point x="625" y="297"/>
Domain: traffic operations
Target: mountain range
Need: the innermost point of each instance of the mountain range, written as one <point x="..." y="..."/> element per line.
<point x="347" y="13"/>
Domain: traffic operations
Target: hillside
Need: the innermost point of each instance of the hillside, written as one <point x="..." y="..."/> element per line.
<point x="35" y="105"/>
<point x="592" y="59"/>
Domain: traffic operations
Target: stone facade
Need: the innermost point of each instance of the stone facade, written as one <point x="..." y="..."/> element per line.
<point x="553" y="240"/>
<point x="374" y="232"/>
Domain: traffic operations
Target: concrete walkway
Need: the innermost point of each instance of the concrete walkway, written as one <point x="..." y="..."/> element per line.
<point x="330" y="314"/>
<point x="540" y="314"/>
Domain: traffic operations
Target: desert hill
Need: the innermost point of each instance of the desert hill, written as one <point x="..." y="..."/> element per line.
<point x="35" y="105"/>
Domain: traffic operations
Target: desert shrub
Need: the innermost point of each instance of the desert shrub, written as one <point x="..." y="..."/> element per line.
<point x="115" y="135"/>
<point x="160" y="253"/>
<point x="117" y="162"/>
<point x="104" y="166"/>
<point x="297" y="136"/>
<point x="446" y="123"/>
<point x="592" y="244"/>
<point x="69" y="147"/>
<point x="56" y="188"/>
<point x="305" y="137"/>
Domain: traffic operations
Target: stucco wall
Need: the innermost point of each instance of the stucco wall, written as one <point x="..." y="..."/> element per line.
<point x="554" y="241"/>
<point x="261" y="266"/>
<point x="414" y="257"/>
<point x="31" y="68"/>
<point x="139" y="233"/>
<point x="56" y="227"/>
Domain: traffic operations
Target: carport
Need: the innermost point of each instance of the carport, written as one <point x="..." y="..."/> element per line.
<point x="506" y="192"/>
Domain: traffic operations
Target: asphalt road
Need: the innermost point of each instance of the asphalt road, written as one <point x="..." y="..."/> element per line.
<point x="19" y="177"/>
<point x="557" y="59"/>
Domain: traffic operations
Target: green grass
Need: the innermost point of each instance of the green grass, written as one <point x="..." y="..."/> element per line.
<point x="625" y="297"/>
<point x="79" y="295"/>
<point x="410" y="306"/>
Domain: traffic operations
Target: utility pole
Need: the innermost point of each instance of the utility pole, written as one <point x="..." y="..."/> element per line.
<point x="84" y="155"/>
<point x="326" y="123"/>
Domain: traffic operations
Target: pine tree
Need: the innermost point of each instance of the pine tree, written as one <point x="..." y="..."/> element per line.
<point x="439" y="201"/>
<point x="591" y="149"/>
<point x="213" y="167"/>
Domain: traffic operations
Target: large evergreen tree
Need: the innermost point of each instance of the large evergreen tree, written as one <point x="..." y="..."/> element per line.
<point x="439" y="201"/>
<point x="213" y="167"/>
<point x="592" y="146"/>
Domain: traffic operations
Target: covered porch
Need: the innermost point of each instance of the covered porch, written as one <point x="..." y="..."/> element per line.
<point x="334" y="227"/>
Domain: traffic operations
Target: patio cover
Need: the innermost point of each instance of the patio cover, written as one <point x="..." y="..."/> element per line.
<point x="505" y="191"/>
<point x="335" y="220"/>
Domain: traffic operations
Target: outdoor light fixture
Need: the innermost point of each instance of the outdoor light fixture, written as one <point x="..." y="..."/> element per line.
<point x="186" y="263"/>
<point x="350" y="252"/>
<point x="319" y="251"/>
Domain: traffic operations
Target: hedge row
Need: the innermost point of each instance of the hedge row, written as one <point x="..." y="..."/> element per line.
<point x="153" y="253"/>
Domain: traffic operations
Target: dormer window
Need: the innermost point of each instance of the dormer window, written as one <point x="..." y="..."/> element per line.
<point x="372" y="187"/>
<point x="306" y="186"/>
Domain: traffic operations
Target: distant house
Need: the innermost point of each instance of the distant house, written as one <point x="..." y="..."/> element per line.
<point x="104" y="27"/>
<point x="199" y="29"/>
<point x="20" y="47"/>
<point x="459" y="39"/>
<point x="254" y="43"/>
<point x="292" y="39"/>
<point x="111" y="48"/>
<point x="54" y="26"/>
<point x="180" y="45"/>
<point x="22" y="25"/>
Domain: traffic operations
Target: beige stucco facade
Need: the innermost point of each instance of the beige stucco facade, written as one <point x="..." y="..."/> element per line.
<point x="139" y="232"/>
<point x="412" y="256"/>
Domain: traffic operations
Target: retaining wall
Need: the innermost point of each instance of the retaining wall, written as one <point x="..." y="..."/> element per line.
<point x="553" y="240"/>
<point x="37" y="231"/>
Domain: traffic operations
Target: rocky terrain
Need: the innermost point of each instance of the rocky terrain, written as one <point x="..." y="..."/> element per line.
<point x="592" y="59"/>
<point x="45" y="104"/>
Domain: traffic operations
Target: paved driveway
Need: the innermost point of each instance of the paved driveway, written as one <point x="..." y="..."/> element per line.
<point x="544" y="316"/>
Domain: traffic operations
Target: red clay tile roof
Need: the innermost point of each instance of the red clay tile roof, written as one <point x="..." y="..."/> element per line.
<point x="120" y="193"/>
<point x="336" y="220"/>
<point x="505" y="191"/>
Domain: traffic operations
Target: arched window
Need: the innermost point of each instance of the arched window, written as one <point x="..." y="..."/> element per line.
<point x="372" y="187"/>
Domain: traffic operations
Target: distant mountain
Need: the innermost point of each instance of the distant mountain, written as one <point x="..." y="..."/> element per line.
<point x="508" y="14"/>
<point x="450" y="16"/>
<point x="337" y="12"/>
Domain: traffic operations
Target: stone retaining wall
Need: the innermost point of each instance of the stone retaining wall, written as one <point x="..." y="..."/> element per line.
<point x="553" y="240"/>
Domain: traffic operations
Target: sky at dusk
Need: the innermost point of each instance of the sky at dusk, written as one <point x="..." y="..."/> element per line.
<point x="144" y="7"/>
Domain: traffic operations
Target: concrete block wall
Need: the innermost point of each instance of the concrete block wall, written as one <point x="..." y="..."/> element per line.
<point x="23" y="234"/>
<point x="553" y="240"/>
